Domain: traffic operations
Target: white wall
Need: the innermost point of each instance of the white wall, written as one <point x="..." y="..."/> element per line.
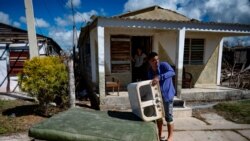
<point x="3" y="74"/>
<point x="93" y="39"/>
<point x="167" y="39"/>
<point x="3" y="70"/>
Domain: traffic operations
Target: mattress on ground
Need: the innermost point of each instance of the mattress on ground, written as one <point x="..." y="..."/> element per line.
<point x="79" y="124"/>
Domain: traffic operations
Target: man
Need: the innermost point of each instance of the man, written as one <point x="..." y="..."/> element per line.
<point x="162" y="73"/>
<point x="139" y="61"/>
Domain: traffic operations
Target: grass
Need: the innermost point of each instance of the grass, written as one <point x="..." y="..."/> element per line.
<point x="17" y="116"/>
<point x="236" y="111"/>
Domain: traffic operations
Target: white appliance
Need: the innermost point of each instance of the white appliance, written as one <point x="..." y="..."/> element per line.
<point x="146" y="100"/>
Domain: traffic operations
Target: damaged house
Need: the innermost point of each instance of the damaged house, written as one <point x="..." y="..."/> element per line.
<point x="190" y="46"/>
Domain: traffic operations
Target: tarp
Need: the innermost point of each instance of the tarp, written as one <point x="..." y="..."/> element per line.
<point x="78" y="124"/>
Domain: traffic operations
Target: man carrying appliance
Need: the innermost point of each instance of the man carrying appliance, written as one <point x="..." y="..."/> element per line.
<point x="162" y="73"/>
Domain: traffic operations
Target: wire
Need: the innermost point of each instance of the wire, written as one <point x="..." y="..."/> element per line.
<point x="39" y="29"/>
<point x="61" y="5"/>
<point x="47" y="9"/>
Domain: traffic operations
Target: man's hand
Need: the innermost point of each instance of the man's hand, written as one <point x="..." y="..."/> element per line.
<point x="155" y="80"/>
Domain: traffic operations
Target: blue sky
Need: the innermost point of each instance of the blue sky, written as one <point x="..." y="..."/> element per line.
<point x="54" y="17"/>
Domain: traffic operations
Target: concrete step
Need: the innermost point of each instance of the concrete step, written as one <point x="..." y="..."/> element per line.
<point x="122" y="103"/>
<point x="182" y="112"/>
<point x="179" y="103"/>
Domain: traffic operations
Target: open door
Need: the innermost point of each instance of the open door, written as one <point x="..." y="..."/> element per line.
<point x="145" y="44"/>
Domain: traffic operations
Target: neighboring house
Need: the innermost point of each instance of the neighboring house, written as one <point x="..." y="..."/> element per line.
<point x="14" y="50"/>
<point x="106" y="45"/>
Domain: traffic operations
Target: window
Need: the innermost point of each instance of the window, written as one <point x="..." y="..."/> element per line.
<point x="120" y="54"/>
<point x="193" y="51"/>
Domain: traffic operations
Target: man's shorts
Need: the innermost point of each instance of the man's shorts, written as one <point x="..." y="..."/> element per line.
<point x="168" y="108"/>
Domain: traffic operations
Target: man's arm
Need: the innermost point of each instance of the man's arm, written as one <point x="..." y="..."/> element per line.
<point x="169" y="72"/>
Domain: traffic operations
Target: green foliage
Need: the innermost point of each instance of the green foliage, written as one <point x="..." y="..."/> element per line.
<point x="45" y="78"/>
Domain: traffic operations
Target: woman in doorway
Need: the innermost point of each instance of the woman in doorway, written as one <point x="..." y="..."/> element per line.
<point x="139" y="60"/>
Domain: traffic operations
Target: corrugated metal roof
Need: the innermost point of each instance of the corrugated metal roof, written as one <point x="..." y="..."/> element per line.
<point x="153" y="18"/>
<point x="11" y="34"/>
<point x="154" y="13"/>
<point x="192" y="21"/>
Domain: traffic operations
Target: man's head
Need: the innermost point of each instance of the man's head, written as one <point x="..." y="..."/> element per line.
<point x="153" y="60"/>
<point x="139" y="50"/>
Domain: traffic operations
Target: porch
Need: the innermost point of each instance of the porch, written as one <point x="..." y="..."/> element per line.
<point x="203" y="93"/>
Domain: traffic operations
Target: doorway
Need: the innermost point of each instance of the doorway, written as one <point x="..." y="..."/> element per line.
<point x="145" y="44"/>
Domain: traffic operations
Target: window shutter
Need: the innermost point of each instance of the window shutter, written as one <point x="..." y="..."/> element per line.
<point x="187" y="51"/>
<point x="197" y="49"/>
<point x="193" y="51"/>
<point x="120" y="54"/>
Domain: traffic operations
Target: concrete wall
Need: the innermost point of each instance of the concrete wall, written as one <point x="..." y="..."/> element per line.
<point x="165" y="43"/>
<point x="166" y="46"/>
<point x="206" y="74"/>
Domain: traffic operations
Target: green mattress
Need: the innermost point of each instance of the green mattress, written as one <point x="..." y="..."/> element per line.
<point x="78" y="124"/>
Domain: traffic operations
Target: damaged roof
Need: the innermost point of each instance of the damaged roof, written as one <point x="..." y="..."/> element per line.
<point x="154" y="13"/>
<point x="11" y="34"/>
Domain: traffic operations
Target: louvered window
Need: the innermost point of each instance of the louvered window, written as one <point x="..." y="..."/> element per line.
<point x="194" y="51"/>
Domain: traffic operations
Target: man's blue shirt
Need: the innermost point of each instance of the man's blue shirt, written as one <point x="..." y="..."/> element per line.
<point x="165" y="73"/>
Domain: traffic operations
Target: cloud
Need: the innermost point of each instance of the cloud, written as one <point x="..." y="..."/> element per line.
<point x="228" y="11"/>
<point x="214" y="10"/>
<point x="4" y="18"/>
<point x="16" y="24"/>
<point x="79" y="18"/>
<point x="63" y="37"/>
<point x="237" y="41"/>
<point x="75" y="3"/>
<point x="61" y="22"/>
<point x="22" y="19"/>
<point x="39" y="22"/>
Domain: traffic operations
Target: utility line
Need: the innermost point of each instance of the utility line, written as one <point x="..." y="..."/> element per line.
<point x="39" y="29"/>
<point x="74" y="25"/>
<point x="61" y="5"/>
<point x="47" y="9"/>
